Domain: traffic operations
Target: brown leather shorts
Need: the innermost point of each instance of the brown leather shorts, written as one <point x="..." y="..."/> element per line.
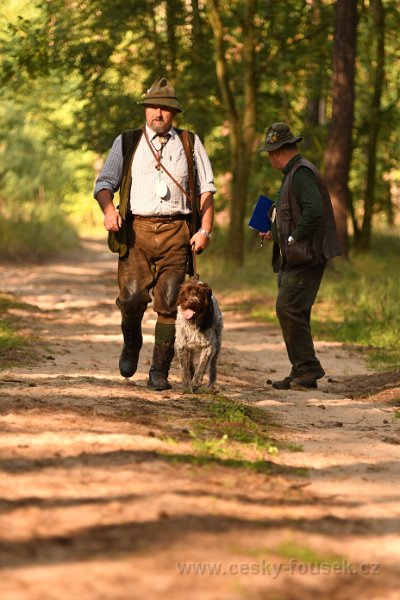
<point x="156" y="261"/>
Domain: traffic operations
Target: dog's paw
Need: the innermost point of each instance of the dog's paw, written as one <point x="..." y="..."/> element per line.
<point x="196" y="384"/>
<point x="201" y="389"/>
<point x="213" y="389"/>
<point x="187" y="388"/>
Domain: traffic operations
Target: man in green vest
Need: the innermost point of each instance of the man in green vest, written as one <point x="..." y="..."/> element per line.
<point x="305" y="238"/>
<point x="159" y="172"/>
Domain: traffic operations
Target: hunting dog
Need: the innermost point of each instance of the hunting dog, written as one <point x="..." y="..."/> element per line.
<point x="199" y="327"/>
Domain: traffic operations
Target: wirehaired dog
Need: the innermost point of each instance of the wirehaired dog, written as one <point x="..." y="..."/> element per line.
<point x="199" y="327"/>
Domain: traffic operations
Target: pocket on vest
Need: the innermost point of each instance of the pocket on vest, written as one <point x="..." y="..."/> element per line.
<point x="299" y="253"/>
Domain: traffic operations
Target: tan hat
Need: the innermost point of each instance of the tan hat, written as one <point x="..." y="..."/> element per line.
<point x="278" y="135"/>
<point x="162" y="93"/>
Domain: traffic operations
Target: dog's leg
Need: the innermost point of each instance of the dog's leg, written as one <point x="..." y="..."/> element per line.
<point x="204" y="360"/>
<point x="186" y="363"/>
<point x="212" y="371"/>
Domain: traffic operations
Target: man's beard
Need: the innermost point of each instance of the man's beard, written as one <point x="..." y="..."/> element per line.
<point x="159" y="126"/>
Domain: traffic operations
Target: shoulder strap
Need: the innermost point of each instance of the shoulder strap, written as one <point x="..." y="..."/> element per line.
<point x="187" y="139"/>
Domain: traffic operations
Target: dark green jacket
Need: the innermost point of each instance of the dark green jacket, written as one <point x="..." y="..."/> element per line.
<point x="304" y="211"/>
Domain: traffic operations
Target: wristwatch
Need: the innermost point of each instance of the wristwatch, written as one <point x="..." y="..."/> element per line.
<point x="204" y="232"/>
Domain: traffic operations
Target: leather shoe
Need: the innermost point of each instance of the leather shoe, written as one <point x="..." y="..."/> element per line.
<point x="304" y="382"/>
<point x="282" y="384"/>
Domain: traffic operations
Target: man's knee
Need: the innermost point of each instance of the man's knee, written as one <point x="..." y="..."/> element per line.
<point x="166" y="294"/>
<point x="133" y="303"/>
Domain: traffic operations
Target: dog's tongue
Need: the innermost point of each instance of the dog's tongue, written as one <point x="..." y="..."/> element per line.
<point x="188" y="313"/>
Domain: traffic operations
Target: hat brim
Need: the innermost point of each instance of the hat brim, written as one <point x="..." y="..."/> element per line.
<point x="270" y="147"/>
<point x="170" y="103"/>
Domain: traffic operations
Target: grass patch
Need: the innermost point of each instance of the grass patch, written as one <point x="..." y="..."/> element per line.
<point x="358" y="302"/>
<point x="230" y="434"/>
<point x="304" y="554"/>
<point x="13" y="345"/>
<point x="290" y="551"/>
<point x="232" y="429"/>
<point x="396" y="415"/>
<point x="9" y="339"/>
<point x="204" y="457"/>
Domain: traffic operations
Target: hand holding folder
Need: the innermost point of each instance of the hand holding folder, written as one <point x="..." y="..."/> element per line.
<point x="260" y="219"/>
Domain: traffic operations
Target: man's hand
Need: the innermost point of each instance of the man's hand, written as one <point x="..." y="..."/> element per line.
<point x="198" y="242"/>
<point x="265" y="236"/>
<point x="112" y="219"/>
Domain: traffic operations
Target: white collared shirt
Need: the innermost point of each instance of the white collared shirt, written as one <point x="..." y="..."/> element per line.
<point x="144" y="200"/>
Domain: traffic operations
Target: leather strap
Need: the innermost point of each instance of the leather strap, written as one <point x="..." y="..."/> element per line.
<point x="192" y="192"/>
<point x="159" y="164"/>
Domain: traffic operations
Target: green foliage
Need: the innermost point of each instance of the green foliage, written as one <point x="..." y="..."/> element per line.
<point x="388" y="142"/>
<point x="362" y="298"/>
<point x="72" y="73"/>
<point x="35" y="233"/>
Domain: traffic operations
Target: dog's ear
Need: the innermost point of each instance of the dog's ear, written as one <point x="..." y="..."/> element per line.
<point x="207" y="289"/>
<point x="181" y="292"/>
<point x="209" y="292"/>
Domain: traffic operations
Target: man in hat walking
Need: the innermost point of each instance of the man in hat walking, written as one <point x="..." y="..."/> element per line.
<point x="153" y="167"/>
<point x="305" y="238"/>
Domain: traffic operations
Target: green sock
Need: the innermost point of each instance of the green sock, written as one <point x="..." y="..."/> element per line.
<point x="164" y="332"/>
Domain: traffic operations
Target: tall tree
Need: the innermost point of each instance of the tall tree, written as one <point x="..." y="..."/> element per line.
<point x="241" y="116"/>
<point x="339" y="145"/>
<point x="363" y="240"/>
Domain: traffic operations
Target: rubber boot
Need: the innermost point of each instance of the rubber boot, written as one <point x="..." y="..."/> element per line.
<point x="163" y="354"/>
<point x="133" y="341"/>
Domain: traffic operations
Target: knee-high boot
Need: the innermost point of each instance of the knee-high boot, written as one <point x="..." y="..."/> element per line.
<point x="163" y="354"/>
<point x="133" y="341"/>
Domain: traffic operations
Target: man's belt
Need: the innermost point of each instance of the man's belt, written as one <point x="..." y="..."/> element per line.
<point x="161" y="218"/>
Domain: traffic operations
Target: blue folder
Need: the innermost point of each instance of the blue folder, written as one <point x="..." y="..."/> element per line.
<point x="260" y="220"/>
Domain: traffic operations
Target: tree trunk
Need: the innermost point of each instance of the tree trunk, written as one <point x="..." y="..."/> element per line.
<point x="314" y="85"/>
<point x="339" y="145"/>
<point x="364" y="241"/>
<point x="241" y="125"/>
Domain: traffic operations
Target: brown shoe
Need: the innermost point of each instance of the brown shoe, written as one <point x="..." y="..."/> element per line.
<point x="304" y="382"/>
<point x="282" y="384"/>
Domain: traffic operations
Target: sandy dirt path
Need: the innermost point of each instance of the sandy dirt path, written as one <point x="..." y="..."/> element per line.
<point x="96" y="503"/>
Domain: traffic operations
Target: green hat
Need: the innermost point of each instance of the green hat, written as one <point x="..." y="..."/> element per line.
<point x="278" y="135"/>
<point x="162" y="93"/>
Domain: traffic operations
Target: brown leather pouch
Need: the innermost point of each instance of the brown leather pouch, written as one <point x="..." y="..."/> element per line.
<point x="299" y="253"/>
